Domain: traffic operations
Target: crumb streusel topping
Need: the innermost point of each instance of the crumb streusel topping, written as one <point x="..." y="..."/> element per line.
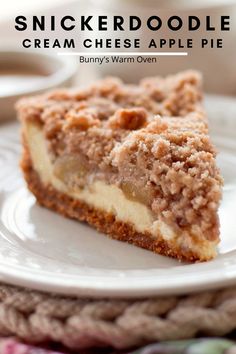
<point x="150" y="139"/>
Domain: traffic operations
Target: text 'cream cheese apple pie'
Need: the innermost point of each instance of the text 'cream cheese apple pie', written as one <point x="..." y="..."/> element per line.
<point x="133" y="161"/>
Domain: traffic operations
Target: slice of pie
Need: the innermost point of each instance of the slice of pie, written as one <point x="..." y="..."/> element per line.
<point x="135" y="162"/>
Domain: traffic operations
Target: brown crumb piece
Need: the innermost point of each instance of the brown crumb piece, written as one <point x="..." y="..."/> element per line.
<point x="129" y="118"/>
<point x="82" y="119"/>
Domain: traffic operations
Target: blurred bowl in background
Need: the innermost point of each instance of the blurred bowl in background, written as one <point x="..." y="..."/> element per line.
<point x="24" y="72"/>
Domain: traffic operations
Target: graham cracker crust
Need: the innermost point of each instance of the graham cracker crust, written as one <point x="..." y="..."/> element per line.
<point x="47" y="196"/>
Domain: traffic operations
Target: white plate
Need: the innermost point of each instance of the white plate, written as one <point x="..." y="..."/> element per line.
<point x="43" y="250"/>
